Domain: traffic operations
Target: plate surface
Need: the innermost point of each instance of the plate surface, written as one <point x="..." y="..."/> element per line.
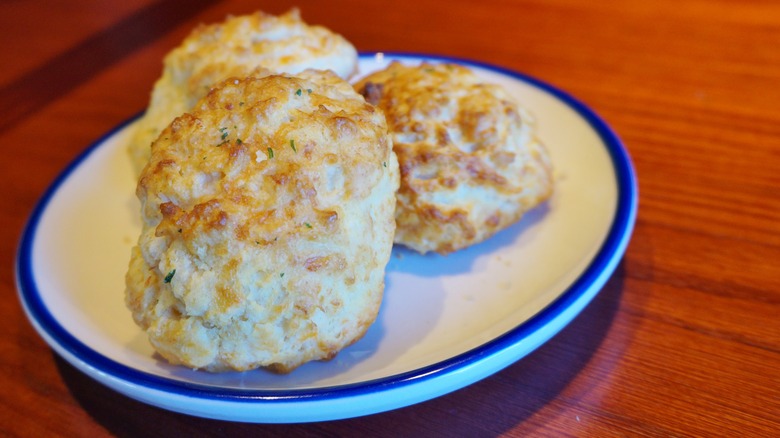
<point x="445" y="322"/>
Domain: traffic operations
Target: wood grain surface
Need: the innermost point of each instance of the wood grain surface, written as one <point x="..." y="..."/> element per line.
<point x="684" y="339"/>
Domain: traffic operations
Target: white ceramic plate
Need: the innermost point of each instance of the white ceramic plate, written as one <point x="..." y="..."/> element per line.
<point x="446" y="322"/>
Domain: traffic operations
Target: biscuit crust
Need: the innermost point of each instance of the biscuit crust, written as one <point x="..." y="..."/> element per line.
<point x="471" y="163"/>
<point x="268" y="220"/>
<point x="236" y="47"/>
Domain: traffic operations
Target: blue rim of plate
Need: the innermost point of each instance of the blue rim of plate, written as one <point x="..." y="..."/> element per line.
<point x="605" y="261"/>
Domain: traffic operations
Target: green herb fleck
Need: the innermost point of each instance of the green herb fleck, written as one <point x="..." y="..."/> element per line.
<point x="384" y="163"/>
<point x="281" y="275"/>
<point x="240" y="103"/>
<point x="169" y="277"/>
<point x="298" y="92"/>
<point x="308" y="225"/>
<point x="292" y="145"/>
<point x="270" y="153"/>
<point x="308" y="90"/>
<point x="224" y="136"/>
<point x="239" y="141"/>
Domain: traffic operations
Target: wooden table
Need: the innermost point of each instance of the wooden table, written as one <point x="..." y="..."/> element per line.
<point x="684" y="340"/>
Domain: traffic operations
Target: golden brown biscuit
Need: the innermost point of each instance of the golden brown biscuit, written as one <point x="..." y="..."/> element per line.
<point x="268" y="219"/>
<point x="471" y="164"/>
<point x="236" y="47"/>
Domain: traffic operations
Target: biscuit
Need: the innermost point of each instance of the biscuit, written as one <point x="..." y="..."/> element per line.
<point x="470" y="161"/>
<point x="235" y="47"/>
<point x="268" y="220"/>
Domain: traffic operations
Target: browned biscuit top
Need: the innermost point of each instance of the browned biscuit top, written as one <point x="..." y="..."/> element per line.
<point x="470" y="161"/>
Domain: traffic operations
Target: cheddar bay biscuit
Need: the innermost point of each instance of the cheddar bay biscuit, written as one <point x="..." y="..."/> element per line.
<point x="268" y="219"/>
<point x="236" y="47"/>
<point x="470" y="161"/>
